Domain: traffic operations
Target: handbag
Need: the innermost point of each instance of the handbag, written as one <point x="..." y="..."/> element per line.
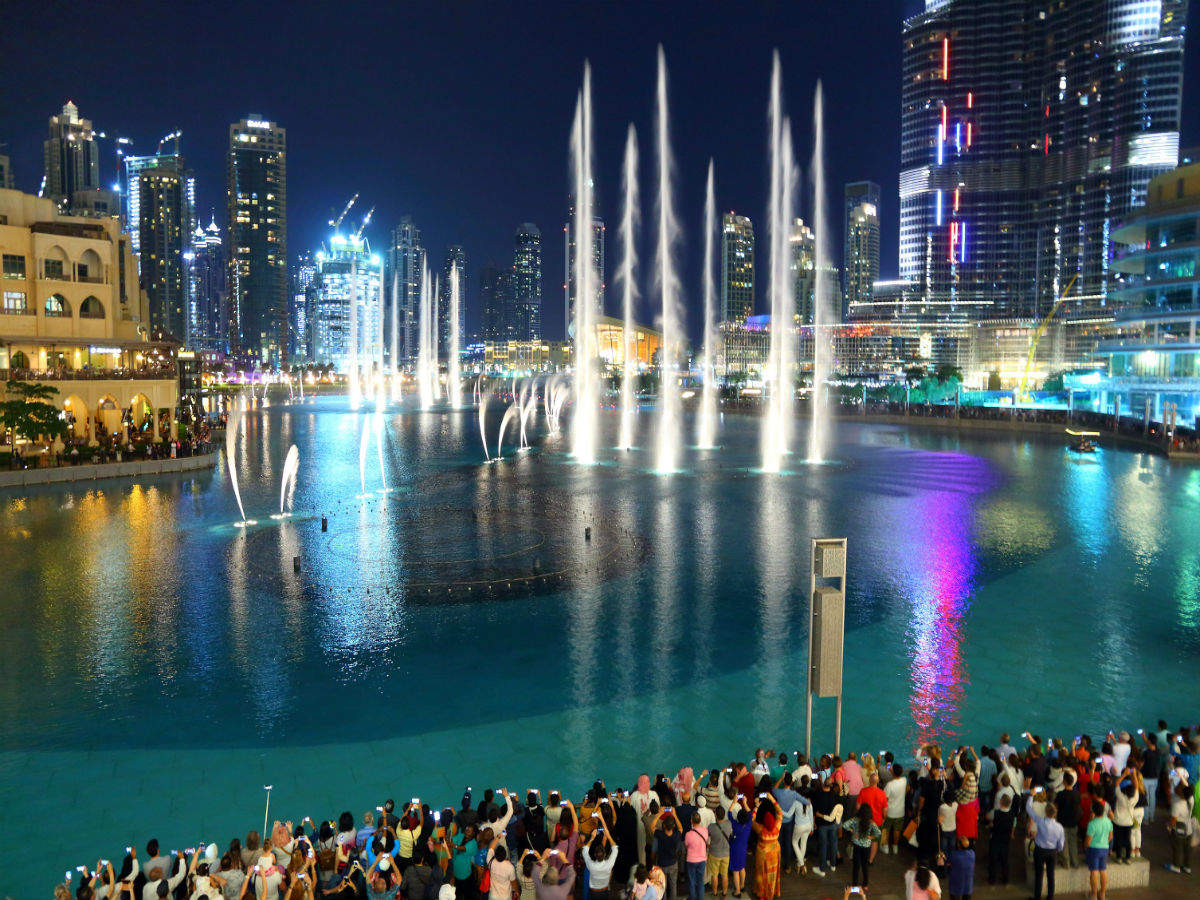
<point x="910" y="829"/>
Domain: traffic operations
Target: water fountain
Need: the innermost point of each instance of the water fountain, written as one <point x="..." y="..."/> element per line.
<point x="668" y="285"/>
<point x="352" y="343"/>
<point x="287" y="482"/>
<point x="483" y="405"/>
<point x="527" y="413"/>
<point x="509" y="415"/>
<point x="630" y="217"/>
<point x="708" y="397"/>
<point x="232" y="426"/>
<point x="426" y="349"/>
<point x="584" y="421"/>
<point x="778" y="417"/>
<point x="818" y="437"/>
<point x="397" y="389"/>
<point x="379" y="429"/>
<point x="522" y="413"/>
<point x="454" y="361"/>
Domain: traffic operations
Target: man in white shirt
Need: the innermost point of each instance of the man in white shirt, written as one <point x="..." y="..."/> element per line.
<point x="896" y="791"/>
<point x="1121" y="750"/>
<point x="164" y="885"/>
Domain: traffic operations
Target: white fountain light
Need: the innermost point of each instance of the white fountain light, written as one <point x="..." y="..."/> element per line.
<point x="668" y="286"/>
<point x="630" y="218"/>
<point x="708" y="396"/>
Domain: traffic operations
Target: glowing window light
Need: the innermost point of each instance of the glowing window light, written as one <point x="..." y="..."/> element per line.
<point x="970" y="100"/>
<point x="956" y="190"/>
<point x="968" y="135"/>
<point x="962" y="243"/>
<point x="941" y="143"/>
<point x="944" y="114"/>
<point x="945" y="59"/>
<point x="953" y="242"/>
<point x="938" y="206"/>
<point x="958" y="136"/>
<point x="1046" y="150"/>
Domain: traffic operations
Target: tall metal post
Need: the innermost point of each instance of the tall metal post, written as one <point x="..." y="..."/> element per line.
<point x="826" y="631"/>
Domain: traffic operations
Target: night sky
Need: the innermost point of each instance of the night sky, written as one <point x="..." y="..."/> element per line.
<point x="458" y="113"/>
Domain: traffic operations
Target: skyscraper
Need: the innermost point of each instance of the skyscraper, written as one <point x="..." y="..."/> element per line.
<point x="598" y="232"/>
<point x="527" y="282"/>
<point x="300" y="303"/>
<point x="861" y="250"/>
<point x="405" y="258"/>
<point x="347" y="272"/>
<point x="256" y="194"/>
<point x="804" y="269"/>
<point x="208" y="296"/>
<point x="160" y="212"/>
<point x="72" y="157"/>
<point x="496" y="303"/>
<point x="737" y="267"/>
<point x="1028" y="131"/>
<point x="454" y="254"/>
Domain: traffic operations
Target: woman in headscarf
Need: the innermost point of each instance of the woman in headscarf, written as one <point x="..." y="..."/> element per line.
<point x="626" y="835"/>
<point x="640" y="801"/>
<point x="683" y="784"/>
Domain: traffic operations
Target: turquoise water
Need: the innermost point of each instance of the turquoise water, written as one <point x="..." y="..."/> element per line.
<point x="161" y="665"/>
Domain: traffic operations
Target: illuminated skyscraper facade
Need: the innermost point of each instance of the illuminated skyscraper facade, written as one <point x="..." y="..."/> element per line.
<point x="737" y="267"/>
<point x="861" y="245"/>
<point x="256" y="194"/>
<point x="804" y="270"/>
<point x="347" y="272"/>
<point x="208" y="295"/>
<point x="496" y="304"/>
<point x="1028" y="131"/>
<point x="72" y="157"/>
<point x="455" y="255"/>
<point x="405" y="258"/>
<point x="527" y="283"/>
<point x="598" y="255"/>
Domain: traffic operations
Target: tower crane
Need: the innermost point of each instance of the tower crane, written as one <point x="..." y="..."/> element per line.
<point x="337" y="223"/>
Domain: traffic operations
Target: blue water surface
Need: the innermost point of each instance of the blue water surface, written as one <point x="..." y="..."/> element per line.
<point x="161" y="665"/>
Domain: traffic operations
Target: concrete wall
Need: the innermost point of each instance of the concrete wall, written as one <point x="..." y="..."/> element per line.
<point x="95" y="471"/>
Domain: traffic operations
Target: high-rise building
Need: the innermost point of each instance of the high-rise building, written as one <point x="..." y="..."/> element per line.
<point x="208" y="295"/>
<point x="454" y="255"/>
<point x="804" y="269"/>
<point x="6" y="173"/>
<point x="72" y="157"/>
<point x="300" y="300"/>
<point x="347" y="272"/>
<point x="405" y="259"/>
<point x="598" y="255"/>
<point x="861" y="247"/>
<point x="527" y="283"/>
<point x="1028" y="131"/>
<point x="256" y="193"/>
<point x="160" y="212"/>
<point x="737" y="267"/>
<point x="496" y="304"/>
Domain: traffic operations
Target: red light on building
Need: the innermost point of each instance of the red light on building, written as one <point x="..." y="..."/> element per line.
<point x="1046" y="151"/>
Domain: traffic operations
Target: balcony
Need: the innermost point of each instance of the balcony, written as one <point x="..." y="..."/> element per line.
<point x="148" y="373"/>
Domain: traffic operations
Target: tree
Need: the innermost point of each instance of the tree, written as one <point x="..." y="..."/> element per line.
<point x="25" y="411"/>
<point x="913" y="374"/>
<point x="945" y="372"/>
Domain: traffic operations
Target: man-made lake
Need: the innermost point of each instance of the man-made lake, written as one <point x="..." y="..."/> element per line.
<point x="161" y="665"/>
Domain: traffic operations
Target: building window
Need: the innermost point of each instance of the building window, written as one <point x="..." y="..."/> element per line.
<point x="56" y="307"/>
<point x="15" y="304"/>
<point x="14" y="265"/>
<point x="91" y="308"/>
<point x="52" y="269"/>
<point x="19" y="360"/>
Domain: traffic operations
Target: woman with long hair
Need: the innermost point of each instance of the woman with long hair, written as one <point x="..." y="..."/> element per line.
<point x="864" y="833"/>
<point x="766" y="857"/>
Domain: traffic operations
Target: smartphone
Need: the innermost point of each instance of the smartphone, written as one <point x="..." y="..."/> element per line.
<point x="741" y="796"/>
<point x="128" y="850"/>
<point x="437" y="816"/>
<point x="595" y="815"/>
<point x="380" y="808"/>
<point x="105" y="862"/>
<point x="764" y="796"/>
<point x="856" y="890"/>
<point x="1141" y="731"/>
<point x="416" y="801"/>
<point x="310" y="853"/>
<point x="81" y="869"/>
<point x="67" y="875"/>
<point x="255" y="869"/>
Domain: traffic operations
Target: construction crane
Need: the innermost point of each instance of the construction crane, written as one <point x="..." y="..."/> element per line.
<point x="337" y="223"/>
<point x="173" y="136"/>
<point x="1022" y="393"/>
<point x="366" y="221"/>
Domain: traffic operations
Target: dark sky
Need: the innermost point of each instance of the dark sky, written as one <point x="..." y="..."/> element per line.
<point x="458" y="113"/>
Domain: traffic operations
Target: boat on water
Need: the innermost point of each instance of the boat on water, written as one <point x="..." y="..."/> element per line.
<point x="1082" y="441"/>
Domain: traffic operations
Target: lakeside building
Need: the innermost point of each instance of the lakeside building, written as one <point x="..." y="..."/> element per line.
<point x="74" y="318"/>
<point x="1155" y="356"/>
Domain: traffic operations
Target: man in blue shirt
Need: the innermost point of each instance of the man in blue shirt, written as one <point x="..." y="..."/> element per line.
<point x="1048" y="841"/>
<point x="788" y="800"/>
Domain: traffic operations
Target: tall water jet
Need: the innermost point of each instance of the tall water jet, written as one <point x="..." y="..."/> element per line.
<point x="668" y="285"/>
<point x="287" y="482"/>
<point x="435" y="374"/>
<point x="584" y="421"/>
<point x="818" y="433"/>
<point x="522" y="410"/>
<point x="379" y="445"/>
<point x="510" y="413"/>
<point x="483" y="405"/>
<point x="630" y="218"/>
<point x="425" y="351"/>
<point x="232" y="426"/>
<point x="352" y="342"/>
<point x="395" y="341"/>
<point x="454" y="362"/>
<point x="778" y="418"/>
<point x="708" y="398"/>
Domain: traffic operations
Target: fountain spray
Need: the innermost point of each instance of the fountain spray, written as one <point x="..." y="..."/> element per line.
<point x="630" y="218"/>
